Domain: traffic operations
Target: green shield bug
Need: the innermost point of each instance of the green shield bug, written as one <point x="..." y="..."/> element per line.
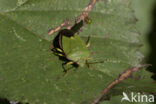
<point x="71" y="46"/>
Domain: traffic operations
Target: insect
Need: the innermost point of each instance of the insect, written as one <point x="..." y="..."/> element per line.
<point x="72" y="47"/>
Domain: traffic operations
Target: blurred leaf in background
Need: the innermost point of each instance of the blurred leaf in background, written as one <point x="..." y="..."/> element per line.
<point x="145" y="11"/>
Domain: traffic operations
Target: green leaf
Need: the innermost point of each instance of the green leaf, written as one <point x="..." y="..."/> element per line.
<point x="29" y="71"/>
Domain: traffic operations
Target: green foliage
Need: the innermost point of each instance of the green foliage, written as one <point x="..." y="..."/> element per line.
<point x="29" y="71"/>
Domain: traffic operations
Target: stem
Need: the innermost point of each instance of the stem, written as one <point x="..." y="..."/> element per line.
<point x="64" y="24"/>
<point x="86" y="10"/>
<point x="82" y="16"/>
<point x="126" y="74"/>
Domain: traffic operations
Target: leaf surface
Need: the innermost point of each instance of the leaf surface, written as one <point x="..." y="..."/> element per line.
<point x="29" y="71"/>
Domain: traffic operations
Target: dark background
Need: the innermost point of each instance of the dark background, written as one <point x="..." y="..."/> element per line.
<point x="152" y="43"/>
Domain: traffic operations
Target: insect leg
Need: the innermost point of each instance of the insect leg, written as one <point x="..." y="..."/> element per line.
<point x="88" y="42"/>
<point x="67" y="64"/>
<point x="58" y="52"/>
<point x="89" y="63"/>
